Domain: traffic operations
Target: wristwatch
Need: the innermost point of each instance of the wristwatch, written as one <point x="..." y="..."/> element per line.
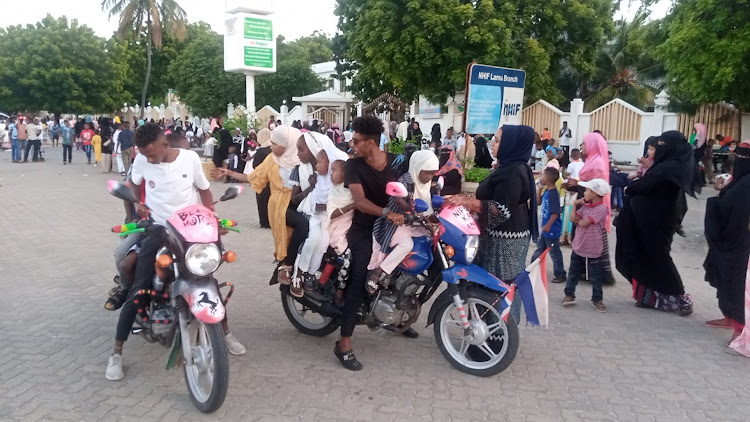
<point x="386" y="210"/>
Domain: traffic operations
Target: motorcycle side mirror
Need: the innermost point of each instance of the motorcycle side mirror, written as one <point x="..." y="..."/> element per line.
<point x="120" y="190"/>
<point x="231" y="193"/>
<point x="440" y="184"/>
<point x="396" y="189"/>
<point x="420" y="205"/>
<point x="437" y="202"/>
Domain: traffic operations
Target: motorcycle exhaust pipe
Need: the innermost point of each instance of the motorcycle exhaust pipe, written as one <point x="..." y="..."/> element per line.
<point x="326" y="309"/>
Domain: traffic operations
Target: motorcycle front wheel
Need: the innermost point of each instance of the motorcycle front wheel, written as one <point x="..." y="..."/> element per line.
<point x="490" y="344"/>
<point x="207" y="376"/>
<point x="304" y="319"/>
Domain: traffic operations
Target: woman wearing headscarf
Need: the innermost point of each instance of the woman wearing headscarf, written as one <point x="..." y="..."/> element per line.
<point x="436" y="135"/>
<point x="726" y="224"/>
<point x="648" y="222"/>
<point x="596" y="166"/>
<point x="506" y="204"/>
<point x="483" y="158"/>
<point x="276" y="170"/>
<point x="264" y="149"/>
<point x="451" y="170"/>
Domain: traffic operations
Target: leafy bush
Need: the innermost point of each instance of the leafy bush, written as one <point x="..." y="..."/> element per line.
<point x="396" y="146"/>
<point x="476" y="174"/>
<point x="242" y="123"/>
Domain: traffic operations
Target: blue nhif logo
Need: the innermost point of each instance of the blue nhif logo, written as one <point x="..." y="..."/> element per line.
<point x="511" y="109"/>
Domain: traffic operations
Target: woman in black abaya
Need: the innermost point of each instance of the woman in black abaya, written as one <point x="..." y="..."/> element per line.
<point x="726" y="224"/>
<point x="648" y="222"/>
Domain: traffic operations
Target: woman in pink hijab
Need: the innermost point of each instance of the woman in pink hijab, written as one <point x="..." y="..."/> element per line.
<point x="596" y="166"/>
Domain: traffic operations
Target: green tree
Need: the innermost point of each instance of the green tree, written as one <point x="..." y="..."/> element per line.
<point x="293" y="77"/>
<point x="421" y="47"/>
<point x="316" y="47"/>
<point x="200" y="80"/>
<point x="626" y="69"/>
<point x="60" y="67"/>
<point x="155" y="17"/>
<point x="707" y="53"/>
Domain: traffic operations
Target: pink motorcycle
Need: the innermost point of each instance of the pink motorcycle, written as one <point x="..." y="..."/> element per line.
<point x="184" y="307"/>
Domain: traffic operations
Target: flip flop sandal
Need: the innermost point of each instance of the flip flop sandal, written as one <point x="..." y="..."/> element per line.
<point x="115" y="302"/>
<point x="719" y="323"/>
<point x="295" y="289"/>
<point x="347" y="359"/>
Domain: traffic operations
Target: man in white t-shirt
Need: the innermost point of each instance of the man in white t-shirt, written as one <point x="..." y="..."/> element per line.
<point x="566" y="135"/>
<point x="174" y="179"/>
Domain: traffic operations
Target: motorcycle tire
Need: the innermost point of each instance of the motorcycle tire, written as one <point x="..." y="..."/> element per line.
<point x="214" y="335"/>
<point x="328" y="326"/>
<point x="483" y="298"/>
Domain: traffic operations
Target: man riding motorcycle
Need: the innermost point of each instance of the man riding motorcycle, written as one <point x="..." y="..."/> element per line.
<point x="366" y="176"/>
<point x="174" y="179"/>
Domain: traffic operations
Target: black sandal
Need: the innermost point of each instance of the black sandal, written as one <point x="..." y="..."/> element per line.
<point x="115" y="301"/>
<point x="347" y="359"/>
<point x="308" y="282"/>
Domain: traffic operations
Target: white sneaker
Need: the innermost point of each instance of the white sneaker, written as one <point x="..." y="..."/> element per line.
<point x="234" y="346"/>
<point x="114" y="368"/>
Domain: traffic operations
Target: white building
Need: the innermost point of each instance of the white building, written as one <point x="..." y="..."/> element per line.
<point x="327" y="72"/>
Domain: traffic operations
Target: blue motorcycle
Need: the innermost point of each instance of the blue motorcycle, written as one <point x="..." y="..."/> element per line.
<point x="473" y="327"/>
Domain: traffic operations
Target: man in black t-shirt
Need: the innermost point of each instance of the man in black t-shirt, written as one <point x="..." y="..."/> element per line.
<point x="366" y="176"/>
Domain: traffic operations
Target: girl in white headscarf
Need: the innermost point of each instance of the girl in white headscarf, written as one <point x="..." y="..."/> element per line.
<point x="392" y="244"/>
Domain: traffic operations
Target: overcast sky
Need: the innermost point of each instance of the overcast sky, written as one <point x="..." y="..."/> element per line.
<point x="293" y="18"/>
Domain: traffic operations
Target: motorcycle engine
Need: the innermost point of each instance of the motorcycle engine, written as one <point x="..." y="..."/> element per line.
<point x="398" y="304"/>
<point x="161" y="312"/>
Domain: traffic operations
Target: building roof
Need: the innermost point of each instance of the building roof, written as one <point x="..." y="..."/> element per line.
<point x="323" y="97"/>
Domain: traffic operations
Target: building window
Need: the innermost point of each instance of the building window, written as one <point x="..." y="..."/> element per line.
<point x="342" y="84"/>
<point x="329" y="84"/>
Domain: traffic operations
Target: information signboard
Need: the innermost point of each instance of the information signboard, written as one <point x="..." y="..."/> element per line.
<point x="494" y="97"/>
<point x="249" y="44"/>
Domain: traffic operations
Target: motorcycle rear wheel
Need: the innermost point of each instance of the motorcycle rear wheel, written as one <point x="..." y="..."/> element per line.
<point x="492" y="353"/>
<point x="297" y="314"/>
<point x="207" y="376"/>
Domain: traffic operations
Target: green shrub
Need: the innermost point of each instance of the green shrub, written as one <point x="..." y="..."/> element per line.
<point x="396" y="146"/>
<point x="476" y="174"/>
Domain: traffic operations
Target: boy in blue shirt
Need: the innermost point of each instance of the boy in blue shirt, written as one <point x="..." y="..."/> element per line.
<point x="67" y="133"/>
<point x="549" y="200"/>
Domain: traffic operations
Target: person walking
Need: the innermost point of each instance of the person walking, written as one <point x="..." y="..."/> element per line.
<point x="126" y="145"/>
<point x="96" y="142"/>
<point x="566" y="137"/>
<point x="87" y="135"/>
<point x="67" y="133"/>
<point x="726" y="224"/>
<point x="648" y="222"/>
<point x="33" y="132"/>
<point x="107" y="145"/>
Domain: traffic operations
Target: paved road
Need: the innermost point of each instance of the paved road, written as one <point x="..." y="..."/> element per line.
<point x="55" y="337"/>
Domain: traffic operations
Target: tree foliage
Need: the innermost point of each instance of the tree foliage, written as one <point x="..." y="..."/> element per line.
<point x="293" y="78"/>
<point x="422" y="47"/>
<point x="200" y="80"/>
<point x="707" y="53"/>
<point x="60" y="67"/>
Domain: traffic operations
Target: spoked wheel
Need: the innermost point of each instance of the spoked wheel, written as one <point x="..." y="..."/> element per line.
<point x="304" y="319"/>
<point x="207" y="376"/>
<point x="488" y="346"/>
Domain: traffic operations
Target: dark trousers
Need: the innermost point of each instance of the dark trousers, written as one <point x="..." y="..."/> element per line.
<point x="360" y="244"/>
<point x="300" y="227"/>
<point x="553" y="243"/>
<point x="36" y="144"/>
<point x="580" y="265"/>
<point x="155" y="238"/>
<point x="67" y="153"/>
<point x="262" y="200"/>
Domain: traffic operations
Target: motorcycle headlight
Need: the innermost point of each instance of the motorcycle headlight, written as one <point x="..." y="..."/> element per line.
<point x="202" y="259"/>
<point x="472" y="246"/>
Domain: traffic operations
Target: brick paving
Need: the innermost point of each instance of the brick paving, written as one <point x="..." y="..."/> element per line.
<point x="55" y="337"/>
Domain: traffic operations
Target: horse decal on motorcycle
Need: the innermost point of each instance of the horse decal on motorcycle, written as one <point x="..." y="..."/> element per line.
<point x="206" y="300"/>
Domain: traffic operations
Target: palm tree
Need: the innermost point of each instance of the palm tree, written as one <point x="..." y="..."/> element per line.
<point x="155" y="16"/>
<point x="626" y="69"/>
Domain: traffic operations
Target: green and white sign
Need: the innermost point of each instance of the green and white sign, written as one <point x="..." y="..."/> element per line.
<point x="249" y="44"/>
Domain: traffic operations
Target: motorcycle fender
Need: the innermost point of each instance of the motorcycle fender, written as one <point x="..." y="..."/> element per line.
<point x="202" y="296"/>
<point x="475" y="274"/>
<point x="443" y="299"/>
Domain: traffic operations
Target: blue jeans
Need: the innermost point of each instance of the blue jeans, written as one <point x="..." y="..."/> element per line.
<point x="617" y="197"/>
<point x="580" y="265"/>
<point x="87" y="148"/>
<point x="15" y="149"/>
<point x="553" y="243"/>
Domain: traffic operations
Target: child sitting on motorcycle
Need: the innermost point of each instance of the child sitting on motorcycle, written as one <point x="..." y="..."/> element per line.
<point x="392" y="244"/>
<point x="311" y="254"/>
<point x="339" y="212"/>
